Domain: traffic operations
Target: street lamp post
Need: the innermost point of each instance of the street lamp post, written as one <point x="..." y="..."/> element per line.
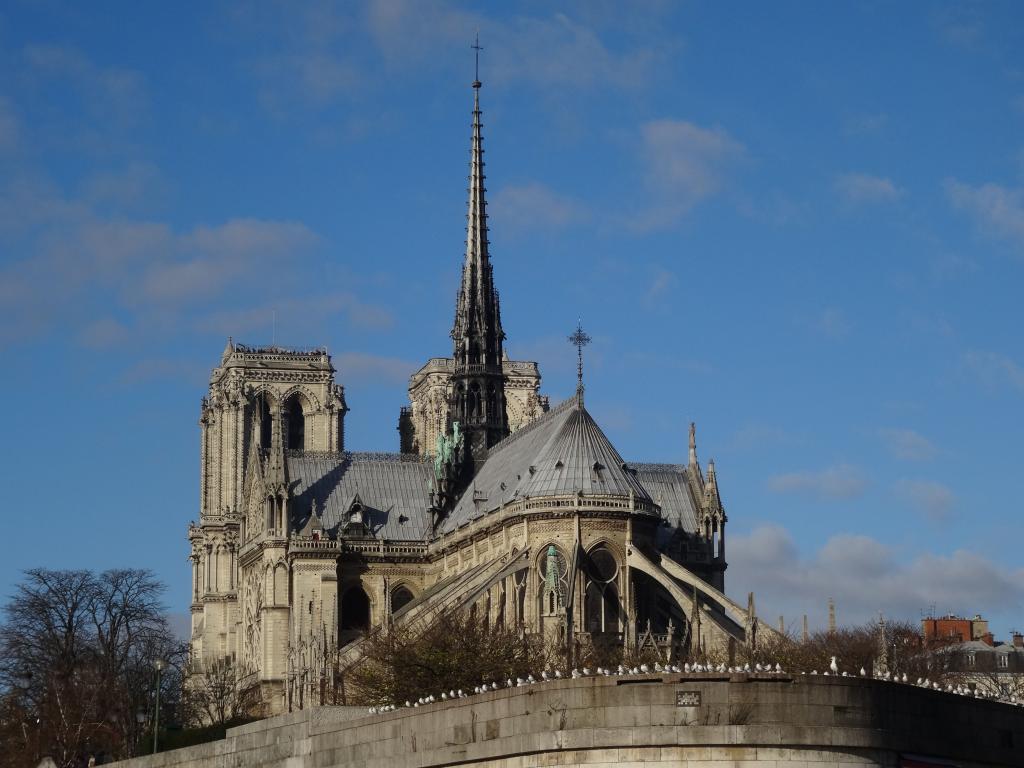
<point x="159" y="664"/>
<point x="140" y="721"/>
<point x="23" y="681"/>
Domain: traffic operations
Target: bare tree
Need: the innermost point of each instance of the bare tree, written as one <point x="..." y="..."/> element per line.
<point x="461" y="650"/>
<point x="210" y="694"/>
<point x="76" y="660"/>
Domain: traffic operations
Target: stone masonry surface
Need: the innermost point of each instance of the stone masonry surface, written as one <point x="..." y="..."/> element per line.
<point x="670" y="720"/>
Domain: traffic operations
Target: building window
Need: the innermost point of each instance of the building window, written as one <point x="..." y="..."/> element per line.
<point x="1004" y="661"/>
<point x="970" y="659"/>
<point x="296" y="425"/>
<point x="266" y="422"/>
<point x="601" y="603"/>
<point x="554" y="573"/>
<point x="400" y="597"/>
<point x="355" y="609"/>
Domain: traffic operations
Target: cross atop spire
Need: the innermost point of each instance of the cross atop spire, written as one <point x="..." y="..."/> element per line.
<point x="579" y="339"/>
<point x="477" y="48"/>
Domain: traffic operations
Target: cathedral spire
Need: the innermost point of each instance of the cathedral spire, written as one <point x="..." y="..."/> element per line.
<point x="477" y="313"/>
<point x="478" y="381"/>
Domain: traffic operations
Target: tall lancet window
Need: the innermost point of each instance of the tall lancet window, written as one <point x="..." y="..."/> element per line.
<point x="296" y="424"/>
<point x="601" y="602"/>
<point x="554" y="573"/>
<point x="266" y="422"/>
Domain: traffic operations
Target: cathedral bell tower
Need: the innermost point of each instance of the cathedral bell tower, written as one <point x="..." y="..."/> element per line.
<point x="477" y="394"/>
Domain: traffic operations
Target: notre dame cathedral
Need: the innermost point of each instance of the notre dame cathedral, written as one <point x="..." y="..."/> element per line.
<point x="495" y="499"/>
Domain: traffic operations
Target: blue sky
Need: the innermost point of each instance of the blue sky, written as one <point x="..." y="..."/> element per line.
<point x="800" y="225"/>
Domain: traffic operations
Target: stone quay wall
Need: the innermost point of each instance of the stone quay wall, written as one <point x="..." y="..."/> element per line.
<point x="690" y="720"/>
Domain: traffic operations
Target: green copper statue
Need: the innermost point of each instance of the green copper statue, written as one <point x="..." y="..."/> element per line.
<point x="448" y="448"/>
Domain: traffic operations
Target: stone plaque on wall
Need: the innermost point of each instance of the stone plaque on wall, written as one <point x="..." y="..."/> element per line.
<point x="687" y="698"/>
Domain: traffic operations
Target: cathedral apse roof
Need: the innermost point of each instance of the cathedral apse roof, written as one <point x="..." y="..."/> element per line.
<point x="669" y="486"/>
<point x="559" y="454"/>
<point x="392" y="487"/>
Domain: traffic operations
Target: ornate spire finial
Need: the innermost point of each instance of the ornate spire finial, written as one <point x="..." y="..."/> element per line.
<point x="579" y="339"/>
<point x="476" y="50"/>
<point x="693" y="444"/>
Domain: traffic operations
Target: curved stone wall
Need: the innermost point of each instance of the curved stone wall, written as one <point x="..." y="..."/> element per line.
<point x="672" y="720"/>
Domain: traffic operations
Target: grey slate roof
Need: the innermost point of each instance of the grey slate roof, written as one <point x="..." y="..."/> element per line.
<point x="977" y="646"/>
<point x="562" y="447"/>
<point x="668" y="486"/>
<point x="560" y="453"/>
<point x="393" y="488"/>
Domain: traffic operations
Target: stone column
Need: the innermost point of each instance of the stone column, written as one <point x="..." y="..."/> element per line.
<point x="204" y="469"/>
<point x="208" y="580"/>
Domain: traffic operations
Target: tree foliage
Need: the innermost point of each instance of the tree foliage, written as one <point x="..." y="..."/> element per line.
<point x="898" y="647"/>
<point x="460" y="650"/>
<point x="210" y="695"/>
<point x="463" y="650"/>
<point x="77" y="653"/>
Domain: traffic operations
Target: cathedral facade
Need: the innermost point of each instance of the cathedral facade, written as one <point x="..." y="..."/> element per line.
<point x="495" y="499"/>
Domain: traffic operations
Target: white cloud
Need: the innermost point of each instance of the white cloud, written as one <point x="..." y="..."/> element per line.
<point x="164" y="369"/>
<point x="296" y="318"/>
<point x="547" y="50"/>
<point x="865" y="576"/>
<point x="355" y="367"/>
<point x="907" y="444"/>
<point x="321" y="54"/>
<point x="866" y="125"/>
<point x="933" y="500"/>
<point x="208" y="259"/>
<point x="557" y="50"/>
<point x="662" y="283"/>
<point x="951" y="266"/>
<point x="759" y="436"/>
<point x="994" y="369"/>
<point x="75" y="264"/>
<point x="9" y="125"/>
<point x="832" y="322"/>
<point x="842" y="481"/>
<point x="105" y="332"/>
<point x="136" y="185"/>
<point x="862" y="188"/>
<point x="104" y="104"/>
<point x="997" y="211"/>
<point x="522" y="208"/>
<point x="685" y="165"/>
<point x="960" y="24"/>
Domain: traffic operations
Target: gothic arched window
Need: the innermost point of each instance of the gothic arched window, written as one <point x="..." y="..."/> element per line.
<point x="400" y="597"/>
<point x="296" y="424"/>
<point x="355" y="609"/>
<point x="554" y="580"/>
<point x="492" y="402"/>
<point x="474" y="399"/>
<point x="601" y="601"/>
<point x="520" y="599"/>
<point x="266" y="422"/>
